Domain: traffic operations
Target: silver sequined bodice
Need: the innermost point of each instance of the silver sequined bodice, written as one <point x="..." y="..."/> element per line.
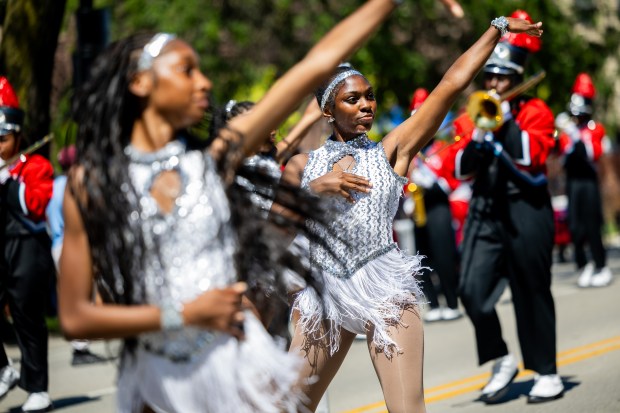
<point x="366" y="225"/>
<point x="195" y="240"/>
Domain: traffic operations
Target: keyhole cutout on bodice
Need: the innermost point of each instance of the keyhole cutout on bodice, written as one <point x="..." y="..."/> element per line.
<point x="165" y="189"/>
<point x="345" y="164"/>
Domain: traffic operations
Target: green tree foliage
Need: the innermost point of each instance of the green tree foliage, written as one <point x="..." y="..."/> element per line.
<point x="246" y="44"/>
<point x="29" y="32"/>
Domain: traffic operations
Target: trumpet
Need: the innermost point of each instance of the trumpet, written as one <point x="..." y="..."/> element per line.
<point x="484" y="107"/>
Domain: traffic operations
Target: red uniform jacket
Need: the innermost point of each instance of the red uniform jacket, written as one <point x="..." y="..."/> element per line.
<point x="27" y="194"/>
<point x="526" y="148"/>
<point x="592" y="135"/>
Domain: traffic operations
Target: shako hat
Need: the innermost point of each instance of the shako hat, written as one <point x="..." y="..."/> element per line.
<point x="582" y="95"/>
<point x="513" y="50"/>
<point x="11" y="116"/>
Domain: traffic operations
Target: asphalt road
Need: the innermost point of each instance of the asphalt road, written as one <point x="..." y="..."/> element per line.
<point x="588" y="359"/>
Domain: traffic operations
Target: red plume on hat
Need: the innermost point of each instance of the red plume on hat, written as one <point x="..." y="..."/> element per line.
<point x="530" y="43"/>
<point x="419" y="96"/>
<point x="7" y="94"/>
<point x="584" y="86"/>
<point x="11" y="116"/>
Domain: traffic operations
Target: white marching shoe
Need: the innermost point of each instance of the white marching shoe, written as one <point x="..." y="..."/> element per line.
<point x="504" y="372"/>
<point x="448" y="314"/>
<point x="9" y="377"/>
<point x="585" y="278"/>
<point x="546" y="388"/>
<point x="434" y="314"/>
<point x="601" y="278"/>
<point x="37" y="403"/>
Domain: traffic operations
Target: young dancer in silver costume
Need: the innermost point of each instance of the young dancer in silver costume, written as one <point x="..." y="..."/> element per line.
<point x="147" y="218"/>
<point x="374" y="292"/>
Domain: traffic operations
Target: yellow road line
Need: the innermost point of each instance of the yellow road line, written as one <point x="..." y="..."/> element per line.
<point x="597" y="352"/>
<point x="599" y="348"/>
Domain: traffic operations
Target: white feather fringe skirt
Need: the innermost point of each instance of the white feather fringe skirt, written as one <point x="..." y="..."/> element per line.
<point x="376" y="294"/>
<point x="249" y="376"/>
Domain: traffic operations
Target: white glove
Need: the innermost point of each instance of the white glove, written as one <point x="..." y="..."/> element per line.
<point x="506" y="110"/>
<point x="424" y="177"/>
<point x="480" y="136"/>
<point x="477" y="135"/>
<point x="565" y="123"/>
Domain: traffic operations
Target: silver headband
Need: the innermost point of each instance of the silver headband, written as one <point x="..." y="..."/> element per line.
<point x="152" y="49"/>
<point x="332" y="85"/>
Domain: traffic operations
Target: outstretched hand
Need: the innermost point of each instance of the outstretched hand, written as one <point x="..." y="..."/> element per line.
<point x="313" y="110"/>
<point x="523" y="26"/>
<point x="454" y="8"/>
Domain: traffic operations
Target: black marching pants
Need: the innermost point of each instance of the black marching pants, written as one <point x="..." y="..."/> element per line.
<point x="585" y="220"/>
<point x="516" y="247"/>
<point x="437" y="241"/>
<point x="26" y="268"/>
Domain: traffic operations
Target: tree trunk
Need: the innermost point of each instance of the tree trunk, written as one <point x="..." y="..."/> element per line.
<point x="29" y="37"/>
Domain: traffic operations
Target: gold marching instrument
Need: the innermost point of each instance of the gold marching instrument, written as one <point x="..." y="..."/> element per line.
<point x="419" y="210"/>
<point x="484" y="106"/>
<point x="485" y="110"/>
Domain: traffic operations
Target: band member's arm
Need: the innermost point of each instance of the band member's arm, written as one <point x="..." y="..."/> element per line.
<point x="287" y="146"/>
<point x="595" y="141"/>
<point x="529" y="137"/>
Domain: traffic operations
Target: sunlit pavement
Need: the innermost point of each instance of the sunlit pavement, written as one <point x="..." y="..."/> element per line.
<point x="588" y="359"/>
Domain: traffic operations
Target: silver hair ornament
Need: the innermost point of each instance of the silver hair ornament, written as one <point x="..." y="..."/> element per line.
<point x="153" y="49"/>
<point x="332" y="85"/>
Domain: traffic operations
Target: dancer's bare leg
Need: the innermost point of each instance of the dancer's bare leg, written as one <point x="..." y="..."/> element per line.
<point x="401" y="377"/>
<point x="318" y="363"/>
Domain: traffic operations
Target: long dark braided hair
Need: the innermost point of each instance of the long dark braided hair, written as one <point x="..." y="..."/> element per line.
<point x="105" y="111"/>
<point x="265" y="259"/>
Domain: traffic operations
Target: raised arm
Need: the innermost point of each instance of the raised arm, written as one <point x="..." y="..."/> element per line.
<point x="287" y="93"/>
<point x="405" y="141"/>
<point x="287" y="146"/>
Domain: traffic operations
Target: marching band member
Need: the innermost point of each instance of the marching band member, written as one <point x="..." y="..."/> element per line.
<point x="509" y="231"/>
<point x="583" y="142"/>
<point x="435" y="237"/>
<point x="26" y="265"/>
